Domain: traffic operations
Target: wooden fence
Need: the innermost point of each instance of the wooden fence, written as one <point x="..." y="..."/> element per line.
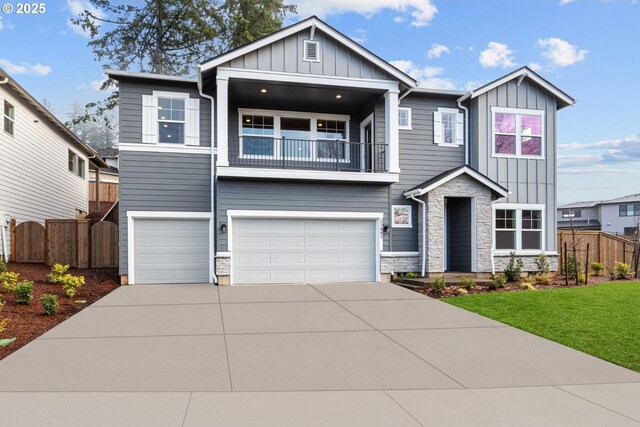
<point x="108" y="191"/>
<point x="65" y="241"/>
<point x="603" y="247"/>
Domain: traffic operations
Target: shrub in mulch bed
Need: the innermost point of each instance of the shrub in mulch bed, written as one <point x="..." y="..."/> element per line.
<point x="27" y="322"/>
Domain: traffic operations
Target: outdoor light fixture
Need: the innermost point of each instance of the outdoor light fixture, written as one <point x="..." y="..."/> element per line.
<point x="319" y="125"/>
<point x="223" y="228"/>
<point x="263" y="90"/>
<point x="385" y="229"/>
<point x="338" y="96"/>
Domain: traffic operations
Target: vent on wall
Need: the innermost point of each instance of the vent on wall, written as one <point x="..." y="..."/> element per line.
<point x="311" y="51"/>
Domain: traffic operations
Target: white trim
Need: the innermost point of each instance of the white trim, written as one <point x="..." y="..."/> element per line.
<point x="312" y="22"/>
<point x="293" y="114"/>
<point x="455" y="111"/>
<point x="372" y="216"/>
<point x="518" y="112"/>
<point x="314" y="175"/>
<point x="134" y="215"/>
<point x="519" y="207"/>
<point x="305" y="43"/>
<point x="409" y="126"/>
<point x="222" y="124"/>
<point x="392" y="135"/>
<point x="410" y="219"/>
<point x="166" y="94"/>
<point x="466" y="170"/>
<point x="164" y="148"/>
<point x="399" y="254"/>
<point x="278" y="76"/>
<point x="151" y="76"/>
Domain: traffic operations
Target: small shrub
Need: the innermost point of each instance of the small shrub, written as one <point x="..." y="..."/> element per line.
<point x="623" y="270"/>
<point x="461" y="291"/>
<point x="514" y="268"/>
<point x="438" y="284"/>
<point x="582" y="278"/>
<point x="467" y="283"/>
<point x="49" y="303"/>
<point x="611" y="273"/>
<point x="3" y="267"/>
<point x="3" y="322"/>
<point x="71" y="283"/>
<point x="412" y="275"/>
<point x="9" y="280"/>
<point x="542" y="279"/>
<point x="24" y="292"/>
<point x="573" y="266"/>
<point x="57" y="273"/>
<point x="399" y="275"/>
<point x="542" y="262"/>
<point x="497" y="281"/>
<point x="597" y="268"/>
<point x="527" y="286"/>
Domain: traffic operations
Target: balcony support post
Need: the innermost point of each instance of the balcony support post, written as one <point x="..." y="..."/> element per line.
<point x="222" y="124"/>
<point x="391" y="131"/>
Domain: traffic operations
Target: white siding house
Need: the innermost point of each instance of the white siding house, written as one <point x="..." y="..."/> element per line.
<point x="44" y="168"/>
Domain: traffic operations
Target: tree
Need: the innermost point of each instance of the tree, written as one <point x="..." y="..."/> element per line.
<point x="171" y="36"/>
<point x="94" y="133"/>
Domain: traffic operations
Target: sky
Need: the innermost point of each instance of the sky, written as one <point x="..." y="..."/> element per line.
<point x="588" y="48"/>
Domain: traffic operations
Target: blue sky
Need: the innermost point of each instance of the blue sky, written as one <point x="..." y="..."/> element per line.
<point x="589" y="48"/>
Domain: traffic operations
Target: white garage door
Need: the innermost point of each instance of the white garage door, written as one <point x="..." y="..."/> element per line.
<point x="303" y="251"/>
<point x="171" y="251"/>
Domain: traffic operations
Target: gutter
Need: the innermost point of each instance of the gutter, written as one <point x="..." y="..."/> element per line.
<point x="466" y="125"/>
<point x="212" y="226"/>
<point x="424" y="233"/>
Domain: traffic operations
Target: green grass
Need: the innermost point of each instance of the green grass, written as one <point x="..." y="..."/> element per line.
<point x="602" y="320"/>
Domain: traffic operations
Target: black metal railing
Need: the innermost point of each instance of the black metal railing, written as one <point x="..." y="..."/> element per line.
<point x="321" y="154"/>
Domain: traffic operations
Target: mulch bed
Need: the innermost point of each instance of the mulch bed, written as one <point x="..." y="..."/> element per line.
<point x="28" y="322"/>
<point x="556" y="283"/>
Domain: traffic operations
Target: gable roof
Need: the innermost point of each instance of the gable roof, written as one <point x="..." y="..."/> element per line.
<point x="447" y="176"/>
<point x="311" y="22"/>
<point x="631" y="198"/>
<point x="521" y="73"/>
<point x="7" y="81"/>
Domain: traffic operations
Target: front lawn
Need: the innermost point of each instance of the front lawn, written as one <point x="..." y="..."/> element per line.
<point x="601" y="320"/>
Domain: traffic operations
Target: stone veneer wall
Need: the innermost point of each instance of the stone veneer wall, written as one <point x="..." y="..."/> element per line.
<point x="399" y="264"/>
<point x="462" y="186"/>
<point x="501" y="262"/>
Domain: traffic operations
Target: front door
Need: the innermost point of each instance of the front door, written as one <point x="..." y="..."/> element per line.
<point x="458" y="229"/>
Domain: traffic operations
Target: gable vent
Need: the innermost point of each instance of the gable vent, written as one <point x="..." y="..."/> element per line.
<point x="311" y="51"/>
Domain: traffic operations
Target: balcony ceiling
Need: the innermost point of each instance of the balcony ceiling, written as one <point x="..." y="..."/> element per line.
<point x="247" y="94"/>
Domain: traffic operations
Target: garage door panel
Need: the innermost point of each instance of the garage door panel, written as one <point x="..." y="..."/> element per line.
<point x="324" y="275"/>
<point x="329" y="258"/>
<point x="324" y="242"/>
<point x="288" y="258"/>
<point x="288" y="276"/>
<point x="283" y="242"/>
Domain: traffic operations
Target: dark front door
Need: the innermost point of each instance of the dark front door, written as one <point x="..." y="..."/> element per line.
<point x="368" y="148"/>
<point x="458" y="233"/>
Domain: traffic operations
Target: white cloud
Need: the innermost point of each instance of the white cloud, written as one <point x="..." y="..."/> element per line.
<point x="472" y="85"/>
<point x="564" y="2"/>
<point x="77" y="7"/>
<point x="535" y="66"/>
<point x="429" y="77"/>
<point x="421" y="12"/>
<point x="399" y="19"/>
<point x="560" y="52"/>
<point x="599" y="155"/>
<point x="93" y="84"/>
<point x="359" y="35"/>
<point x="437" y="50"/>
<point x="24" y="68"/>
<point x="497" y="55"/>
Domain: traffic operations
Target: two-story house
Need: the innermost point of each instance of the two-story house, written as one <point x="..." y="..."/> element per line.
<point x="617" y="216"/>
<point x="304" y="157"/>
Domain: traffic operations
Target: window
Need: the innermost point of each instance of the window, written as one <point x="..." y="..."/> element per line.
<point x="73" y="161"/>
<point x="171" y="120"/>
<point x="448" y="127"/>
<point x="257" y="135"/>
<point x="630" y="210"/>
<point x="297" y="137"/>
<point x="630" y="231"/>
<point x="311" y="51"/>
<point x="571" y="213"/>
<point x="81" y="168"/>
<point x="9" y="118"/>
<point x="517" y="133"/>
<point x="404" y="118"/>
<point x="332" y="136"/>
<point x="518" y="228"/>
<point x="401" y="216"/>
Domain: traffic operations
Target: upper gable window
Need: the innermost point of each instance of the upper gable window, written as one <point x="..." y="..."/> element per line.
<point x="448" y="127"/>
<point x="9" y="118"/>
<point x="170" y="118"/>
<point x="404" y="118"/>
<point x="517" y="132"/>
<point x="311" y="51"/>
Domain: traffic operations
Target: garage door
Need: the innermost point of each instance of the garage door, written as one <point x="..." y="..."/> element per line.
<point x="171" y="251"/>
<point x="297" y="251"/>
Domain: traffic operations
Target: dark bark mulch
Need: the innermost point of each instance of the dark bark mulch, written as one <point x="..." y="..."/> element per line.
<point x="27" y="322"/>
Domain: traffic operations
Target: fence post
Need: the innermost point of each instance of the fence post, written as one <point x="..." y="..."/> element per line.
<point x="586" y="267"/>
<point x="566" y="266"/>
<point x="12" y="258"/>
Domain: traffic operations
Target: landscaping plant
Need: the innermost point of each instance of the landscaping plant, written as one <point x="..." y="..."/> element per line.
<point x="3" y="322"/>
<point x="542" y="279"/>
<point x="597" y="268"/>
<point x="582" y="278"/>
<point x="542" y="262"/>
<point x="623" y="270"/>
<point x="9" y="280"/>
<point x="573" y="266"/>
<point x="461" y="291"/>
<point x="439" y="284"/>
<point x="24" y="292"/>
<point x="514" y="268"/>
<point x="526" y="285"/>
<point x="3" y="267"/>
<point x="467" y="283"/>
<point x="57" y="273"/>
<point x="412" y="275"/>
<point x="49" y="303"/>
<point x="497" y="281"/>
<point x="71" y="284"/>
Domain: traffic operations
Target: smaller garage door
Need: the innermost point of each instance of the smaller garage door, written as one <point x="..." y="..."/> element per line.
<point x="171" y="251"/>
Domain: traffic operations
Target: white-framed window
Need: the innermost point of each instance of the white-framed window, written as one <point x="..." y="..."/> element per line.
<point x="629" y="210"/>
<point x="404" y="118"/>
<point x="517" y="133"/>
<point x="9" y="118"/>
<point x="519" y="228"/>
<point x="448" y="127"/>
<point x="170" y="119"/>
<point x="76" y="164"/>
<point x="311" y="51"/>
<point x="571" y="213"/>
<point x="401" y="216"/>
<point x="271" y="134"/>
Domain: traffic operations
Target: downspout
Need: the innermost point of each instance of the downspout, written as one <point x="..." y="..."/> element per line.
<point x="466" y="126"/>
<point x="212" y="227"/>
<point x="424" y="233"/>
<point x="400" y="98"/>
<point x="5" y="253"/>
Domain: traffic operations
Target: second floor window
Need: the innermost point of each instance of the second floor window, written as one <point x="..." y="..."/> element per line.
<point x="571" y="213"/>
<point x="517" y="132"/>
<point x="630" y="210"/>
<point x="9" y="118"/>
<point x="448" y="127"/>
<point x="171" y="120"/>
<point x="404" y="118"/>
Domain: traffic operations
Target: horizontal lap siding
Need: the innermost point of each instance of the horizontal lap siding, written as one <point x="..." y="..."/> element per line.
<point x="161" y="182"/>
<point x="131" y="108"/>
<point x="297" y="196"/>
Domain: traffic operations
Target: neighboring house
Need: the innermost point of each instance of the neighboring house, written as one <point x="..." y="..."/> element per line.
<point x="44" y="167"/>
<point x="617" y="216"/>
<point x="304" y="157"/>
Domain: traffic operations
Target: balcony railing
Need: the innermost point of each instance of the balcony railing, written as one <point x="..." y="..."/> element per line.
<point x="322" y="154"/>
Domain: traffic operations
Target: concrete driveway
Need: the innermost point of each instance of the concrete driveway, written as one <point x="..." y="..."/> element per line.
<point x="323" y="355"/>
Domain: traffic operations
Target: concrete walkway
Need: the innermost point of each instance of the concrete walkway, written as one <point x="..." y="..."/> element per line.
<point x="323" y="355"/>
